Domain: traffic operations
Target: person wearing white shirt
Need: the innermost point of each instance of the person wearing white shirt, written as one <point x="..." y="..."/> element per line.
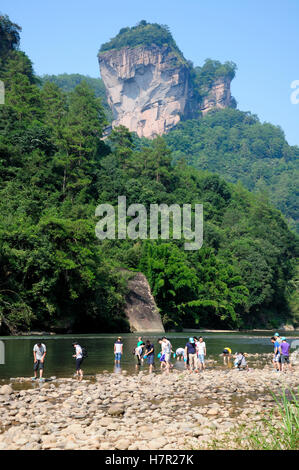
<point x="201" y="353"/>
<point x="79" y="358"/>
<point x="39" y="353"/>
<point x="118" y="350"/>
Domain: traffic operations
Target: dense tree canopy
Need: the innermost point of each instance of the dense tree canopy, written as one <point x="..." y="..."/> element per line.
<point x="55" y="168"/>
<point x="68" y="82"/>
<point x="237" y="146"/>
<point x="143" y="34"/>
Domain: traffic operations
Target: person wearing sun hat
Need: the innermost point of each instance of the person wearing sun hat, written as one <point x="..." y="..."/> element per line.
<point x="284" y="350"/>
<point x="190" y="353"/>
<point x="277" y="337"/>
<point x="276" y="354"/>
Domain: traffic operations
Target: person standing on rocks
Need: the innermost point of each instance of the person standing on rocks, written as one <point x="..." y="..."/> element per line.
<point x="39" y="353"/>
<point x="201" y="352"/>
<point x="284" y="350"/>
<point x="118" y="350"/>
<point x="276" y="356"/>
<point x="79" y="359"/>
<point x="277" y="337"/>
<point x="190" y="353"/>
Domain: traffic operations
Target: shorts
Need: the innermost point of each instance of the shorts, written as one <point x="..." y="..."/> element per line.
<point x="117" y="356"/>
<point x="226" y="352"/>
<point x="167" y="357"/>
<point x="138" y="360"/>
<point x="150" y="359"/>
<point x="201" y="358"/>
<point x="78" y="363"/>
<point x="277" y="358"/>
<point x="285" y="359"/>
<point x="38" y="365"/>
<point x="192" y="360"/>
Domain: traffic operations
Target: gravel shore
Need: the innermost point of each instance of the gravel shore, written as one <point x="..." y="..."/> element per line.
<point x="179" y="410"/>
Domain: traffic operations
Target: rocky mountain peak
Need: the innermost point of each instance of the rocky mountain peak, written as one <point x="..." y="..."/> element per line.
<point x="150" y="86"/>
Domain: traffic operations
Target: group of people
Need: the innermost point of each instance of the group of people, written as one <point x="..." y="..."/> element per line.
<point x="239" y="359"/>
<point x="281" y="355"/>
<point x="193" y="355"/>
<point x="39" y="354"/>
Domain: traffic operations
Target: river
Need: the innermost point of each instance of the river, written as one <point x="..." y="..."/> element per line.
<point x="60" y="363"/>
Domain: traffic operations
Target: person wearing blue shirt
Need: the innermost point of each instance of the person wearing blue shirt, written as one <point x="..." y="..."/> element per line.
<point x="190" y="353"/>
<point x="276" y="356"/>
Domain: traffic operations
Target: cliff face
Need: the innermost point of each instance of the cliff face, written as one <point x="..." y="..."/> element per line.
<point x="219" y="95"/>
<point x="141" y="308"/>
<point x="148" y="88"/>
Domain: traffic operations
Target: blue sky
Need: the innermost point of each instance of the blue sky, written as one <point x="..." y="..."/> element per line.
<point x="260" y="36"/>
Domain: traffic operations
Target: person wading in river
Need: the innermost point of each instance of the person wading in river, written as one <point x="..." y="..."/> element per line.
<point x="166" y="351"/>
<point x="149" y="355"/>
<point x="39" y="353"/>
<point x="227" y="352"/>
<point x="79" y="359"/>
<point x="118" y="350"/>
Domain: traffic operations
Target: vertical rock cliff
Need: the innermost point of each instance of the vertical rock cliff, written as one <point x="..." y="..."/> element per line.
<point x="148" y="88"/>
<point x="218" y="96"/>
<point x="141" y="308"/>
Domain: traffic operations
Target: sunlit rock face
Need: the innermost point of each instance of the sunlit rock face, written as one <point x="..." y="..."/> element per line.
<point x="148" y="88"/>
<point x="219" y="96"/>
<point x="141" y="309"/>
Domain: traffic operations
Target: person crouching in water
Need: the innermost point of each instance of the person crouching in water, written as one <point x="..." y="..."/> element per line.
<point x="79" y="359"/>
<point x="240" y="361"/>
<point x="226" y="355"/>
<point x="138" y="354"/>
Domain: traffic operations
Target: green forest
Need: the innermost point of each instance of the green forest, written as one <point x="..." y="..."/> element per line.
<point x="237" y="146"/>
<point x="143" y="34"/>
<point x="55" y="169"/>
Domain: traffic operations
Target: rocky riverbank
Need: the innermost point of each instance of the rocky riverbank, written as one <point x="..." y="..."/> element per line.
<point x="180" y="410"/>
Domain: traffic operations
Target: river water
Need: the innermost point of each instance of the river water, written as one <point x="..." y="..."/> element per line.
<point x="60" y="363"/>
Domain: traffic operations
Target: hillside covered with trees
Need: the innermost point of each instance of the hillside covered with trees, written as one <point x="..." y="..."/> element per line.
<point x="55" y="169"/>
<point x="237" y="146"/>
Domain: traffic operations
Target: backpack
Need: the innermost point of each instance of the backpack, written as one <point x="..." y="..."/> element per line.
<point x="84" y="352"/>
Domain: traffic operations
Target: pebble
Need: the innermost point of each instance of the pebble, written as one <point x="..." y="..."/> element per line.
<point x="137" y="412"/>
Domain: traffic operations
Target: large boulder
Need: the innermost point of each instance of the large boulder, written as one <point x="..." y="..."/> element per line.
<point x="141" y="308"/>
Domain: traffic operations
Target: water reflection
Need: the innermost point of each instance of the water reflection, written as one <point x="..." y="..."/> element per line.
<point x="59" y="361"/>
<point x="117" y="368"/>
